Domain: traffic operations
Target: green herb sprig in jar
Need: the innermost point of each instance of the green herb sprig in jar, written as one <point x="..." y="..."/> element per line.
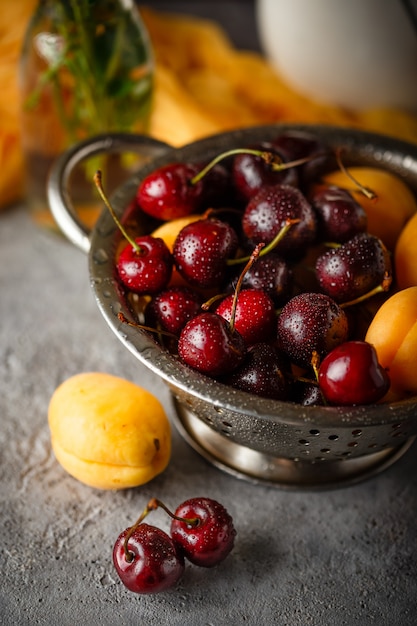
<point x="86" y="68"/>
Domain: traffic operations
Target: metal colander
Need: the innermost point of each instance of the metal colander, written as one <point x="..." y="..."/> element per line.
<point x="266" y="441"/>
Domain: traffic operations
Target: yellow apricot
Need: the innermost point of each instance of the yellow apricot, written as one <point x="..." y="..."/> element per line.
<point x="394" y="205"/>
<point x="393" y="333"/>
<point x="405" y="256"/>
<point x="168" y="231"/>
<point x="108" y="432"/>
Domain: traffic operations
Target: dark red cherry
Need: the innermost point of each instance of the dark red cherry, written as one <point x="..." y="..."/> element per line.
<point x="308" y="323"/>
<point x="255" y="317"/>
<point x="351" y="374"/>
<point x="167" y="193"/>
<point x="306" y="393"/>
<point x="212" y="539"/>
<point x="353" y="269"/>
<point x="145" y="264"/>
<point x="270" y="209"/>
<point x="270" y="274"/>
<point x="250" y="172"/>
<point x="146" y="268"/>
<point x="152" y="563"/>
<point x="301" y="144"/>
<point x="264" y="372"/>
<point x="209" y="345"/>
<point x="201" y="251"/>
<point x="172" y="308"/>
<point x="217" y="187"/>
<point x="340" y="217"/>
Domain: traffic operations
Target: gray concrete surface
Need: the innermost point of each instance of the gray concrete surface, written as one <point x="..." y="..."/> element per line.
<point x="341" y="557"/>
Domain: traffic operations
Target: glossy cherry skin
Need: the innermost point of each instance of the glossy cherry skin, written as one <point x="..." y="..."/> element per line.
<point x="351" y="374"/>
<point x="209" y="345"/>
<point x="250" y="173"/>
<point x="201" y="250"/>
<point x="306" y="393"/>
<point x="264" y="372"/>
<point x="300" y="144"/>
<point x="340" y="217"/>
<point x="255" y="317"/>
<point x="353" y="269"/>
<point x="148" y="270"/>
<point x="157" y="563"/>
<point x="167" y="192"/>
<point x="268" y="211"/>
<point x="311" y="322"/>
<point x="270" y="274"/>
<point x="172" y="308"/>
<point x="212" y="539"/>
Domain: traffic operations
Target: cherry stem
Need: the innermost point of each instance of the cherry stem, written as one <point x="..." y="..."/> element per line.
<point x="271" y="245"/>
<point x="366" y="191"/>
<point x="277" y="166"/>
<point x="305" y="379"/>
<point x="251" y="260"/>
<point x="268" y="157"/>
<point x="152" y="505"/>
<point x="271" y="158"/>
<point x="315" y="363"/>
<point x="122" y="318"/>
<point x="382" y="287"/>
<point x="206" y="305"/>
<point x="190" y="521"/>
<point x="98" y="184"/>
<point x="129" y="556"/>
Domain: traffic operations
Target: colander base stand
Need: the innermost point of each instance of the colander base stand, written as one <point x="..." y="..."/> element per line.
<point x="257" y="467"/>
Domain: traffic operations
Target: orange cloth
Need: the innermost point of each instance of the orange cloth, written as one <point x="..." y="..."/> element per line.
<point x="13" y="20"/>
<point x="225" y="88"/>
<point x="203" y="85"/>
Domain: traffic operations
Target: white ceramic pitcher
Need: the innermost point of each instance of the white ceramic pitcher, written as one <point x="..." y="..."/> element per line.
<point x="353" y="53"/>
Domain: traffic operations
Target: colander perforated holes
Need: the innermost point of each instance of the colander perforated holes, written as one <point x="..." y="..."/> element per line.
<point x="398" y="431"/>
<point x="227" y="427"/>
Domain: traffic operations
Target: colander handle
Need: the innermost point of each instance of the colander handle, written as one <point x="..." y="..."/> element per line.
<point x="58" y="194"/>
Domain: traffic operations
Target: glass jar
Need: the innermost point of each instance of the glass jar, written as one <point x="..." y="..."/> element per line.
<point x="86" y="68"/>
